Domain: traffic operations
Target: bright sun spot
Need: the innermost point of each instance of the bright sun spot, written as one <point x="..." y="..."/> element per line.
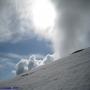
<point x="43" y="14"/>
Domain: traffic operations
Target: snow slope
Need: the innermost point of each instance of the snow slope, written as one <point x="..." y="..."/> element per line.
<point x="69" y="73"/>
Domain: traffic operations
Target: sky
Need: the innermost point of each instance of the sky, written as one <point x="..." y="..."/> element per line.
<point x="37" y="32"/>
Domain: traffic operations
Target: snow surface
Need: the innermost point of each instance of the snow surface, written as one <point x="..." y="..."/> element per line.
<point x="69" y="73"/>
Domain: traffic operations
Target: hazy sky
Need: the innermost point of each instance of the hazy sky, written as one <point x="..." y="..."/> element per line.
<point x="36" y="32"/>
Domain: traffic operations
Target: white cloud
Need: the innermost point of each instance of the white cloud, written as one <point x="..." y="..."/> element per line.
<point x="22" y="66"/>
<point x="48" y="59"/>
<point x="33" y="62"/>
<point x="36" y="59"/>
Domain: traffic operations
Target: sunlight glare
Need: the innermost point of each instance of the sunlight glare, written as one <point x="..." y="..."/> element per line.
<point x="43" y="14"/>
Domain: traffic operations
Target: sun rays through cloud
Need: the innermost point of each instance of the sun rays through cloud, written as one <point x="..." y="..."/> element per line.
<point x="43" y="14"/>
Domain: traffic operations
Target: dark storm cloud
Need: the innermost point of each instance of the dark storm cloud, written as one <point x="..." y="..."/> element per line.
<point x="74" y="23"/>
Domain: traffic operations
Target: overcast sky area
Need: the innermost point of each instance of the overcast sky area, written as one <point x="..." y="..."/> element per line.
<point x="37" y="32"/>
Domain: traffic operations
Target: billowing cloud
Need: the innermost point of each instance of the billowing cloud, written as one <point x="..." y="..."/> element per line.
<point x="48" y="59"/>
<point x="21" y="66"/>
<point x="36" y="59"/>
<point x="33" y="62"/>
